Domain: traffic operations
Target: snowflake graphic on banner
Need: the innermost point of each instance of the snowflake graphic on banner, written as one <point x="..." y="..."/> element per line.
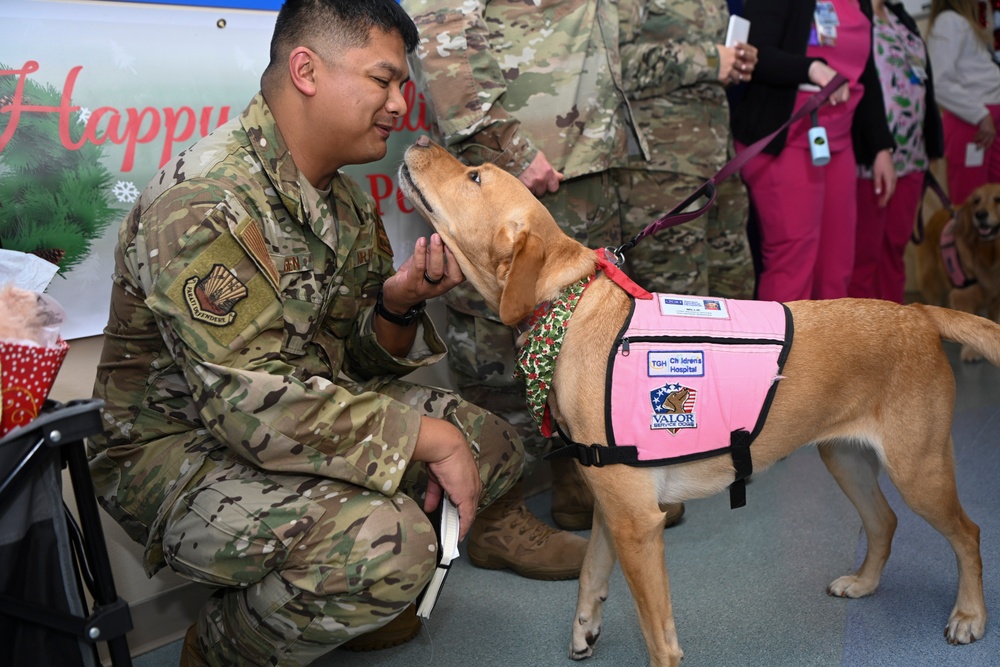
<point x="125" y="191"/>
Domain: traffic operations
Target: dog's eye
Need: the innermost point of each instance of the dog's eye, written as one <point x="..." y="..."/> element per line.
<point x="474" y="177"/>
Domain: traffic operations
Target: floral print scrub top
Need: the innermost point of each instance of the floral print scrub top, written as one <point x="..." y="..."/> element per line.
<point x="901" y="60"/>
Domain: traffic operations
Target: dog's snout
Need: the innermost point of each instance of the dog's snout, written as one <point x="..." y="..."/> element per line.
<point x="982" y="215"/>
<point x="423" y="141"/>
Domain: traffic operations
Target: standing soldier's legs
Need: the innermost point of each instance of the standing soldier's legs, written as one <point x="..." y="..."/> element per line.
<point x="706" y="256"/>
<point x="307" y="563"/>
<point x="730" y="262"/>
<point x="673" y="260"/>
<point x="481" y="355"/>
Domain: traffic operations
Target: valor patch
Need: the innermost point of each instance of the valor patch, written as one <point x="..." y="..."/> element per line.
<point x="673" y="408"/>
<point x="211" y="299"/>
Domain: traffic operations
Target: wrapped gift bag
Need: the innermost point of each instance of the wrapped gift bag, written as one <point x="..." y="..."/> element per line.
<point x="27" y="372"/>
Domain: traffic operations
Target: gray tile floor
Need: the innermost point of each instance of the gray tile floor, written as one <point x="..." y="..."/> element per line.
<point x="747" y="585"/>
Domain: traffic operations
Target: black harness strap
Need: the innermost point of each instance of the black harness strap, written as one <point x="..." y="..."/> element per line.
<point x="739" y="447"/>
<point x="601" y="455"/>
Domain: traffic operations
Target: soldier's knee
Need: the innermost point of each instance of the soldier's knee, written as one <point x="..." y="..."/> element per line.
<point x="394" y="551"/>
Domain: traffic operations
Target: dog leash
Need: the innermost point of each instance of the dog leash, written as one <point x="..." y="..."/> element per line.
<point x="708" y="189"/>
<point x="930" y="182"/>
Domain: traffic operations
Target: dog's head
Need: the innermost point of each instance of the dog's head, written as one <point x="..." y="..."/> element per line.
<point x="506" y="242"/>
<point x="980" y="213"/>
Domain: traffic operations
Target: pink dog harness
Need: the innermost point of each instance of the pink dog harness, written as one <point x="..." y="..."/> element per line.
<point x="949" y="254"/>
<point x="690" y="378"/>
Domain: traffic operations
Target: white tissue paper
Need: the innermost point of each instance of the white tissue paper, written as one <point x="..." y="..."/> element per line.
<point x="24" y="270"/>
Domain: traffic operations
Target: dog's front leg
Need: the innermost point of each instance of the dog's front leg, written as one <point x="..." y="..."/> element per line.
<point x="637" y="534"/>
<point x="593" y="591"/>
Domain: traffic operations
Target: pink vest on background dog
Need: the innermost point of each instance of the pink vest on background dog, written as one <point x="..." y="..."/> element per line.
<point x="949" y="255"/>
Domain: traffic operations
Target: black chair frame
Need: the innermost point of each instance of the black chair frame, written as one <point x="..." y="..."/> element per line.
<point x="60" y="430"/>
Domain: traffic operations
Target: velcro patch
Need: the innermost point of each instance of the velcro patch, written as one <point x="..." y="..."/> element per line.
<point x="222" y="288"/>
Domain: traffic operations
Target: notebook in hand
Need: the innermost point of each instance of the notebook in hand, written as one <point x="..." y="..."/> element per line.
<point x="445" y="519"/>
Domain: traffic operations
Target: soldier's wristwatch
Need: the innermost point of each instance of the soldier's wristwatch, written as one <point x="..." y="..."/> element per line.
<point x="404" y="320"/>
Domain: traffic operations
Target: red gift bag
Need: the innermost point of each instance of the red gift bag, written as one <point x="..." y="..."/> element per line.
<point x="27" y="373"/>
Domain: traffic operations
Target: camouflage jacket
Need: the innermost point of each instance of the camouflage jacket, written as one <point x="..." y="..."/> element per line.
<point x="670" y="69"/>
<point x="507" y="78"/>
<point x="242" y="297"/>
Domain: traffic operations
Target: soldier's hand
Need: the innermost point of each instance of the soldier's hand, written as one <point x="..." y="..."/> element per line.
<point x="431" y="271"/>
<point x="540" y="177"/>
<point x="451" y="468"/>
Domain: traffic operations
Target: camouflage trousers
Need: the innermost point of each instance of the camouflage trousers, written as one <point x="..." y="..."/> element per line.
<point x="306" y="563"/>
<point x="481" y="349"/>
<point x="708" y="256"/>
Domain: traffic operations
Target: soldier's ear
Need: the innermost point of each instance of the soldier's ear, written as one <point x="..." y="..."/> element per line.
<point x="302" y="64"/>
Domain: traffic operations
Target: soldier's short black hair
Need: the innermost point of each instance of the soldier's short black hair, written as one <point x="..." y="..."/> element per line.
<point x="347" y="23"/>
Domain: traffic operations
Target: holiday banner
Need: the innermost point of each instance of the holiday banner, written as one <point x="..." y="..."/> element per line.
<point x="96" y="96"/>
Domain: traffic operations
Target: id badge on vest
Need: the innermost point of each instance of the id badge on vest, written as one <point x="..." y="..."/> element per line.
<point x="825" y="22"/>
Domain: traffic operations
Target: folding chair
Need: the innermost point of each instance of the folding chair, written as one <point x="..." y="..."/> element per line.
<point x="45" y="557"/>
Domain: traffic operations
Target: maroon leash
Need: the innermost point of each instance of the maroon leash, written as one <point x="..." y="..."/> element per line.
<point x="675" y="216"/>
<point x="930" y="182"/>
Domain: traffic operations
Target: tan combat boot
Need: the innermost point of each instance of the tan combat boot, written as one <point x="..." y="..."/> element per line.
<point x="507" y="535"/>
<point x="573" y="503"/>
<point x="398" y="631"/>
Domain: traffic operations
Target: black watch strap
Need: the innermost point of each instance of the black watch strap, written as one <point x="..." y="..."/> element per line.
<point x="404" y="320"/>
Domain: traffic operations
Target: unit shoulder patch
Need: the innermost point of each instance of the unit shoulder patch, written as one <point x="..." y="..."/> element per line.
<point x="211" y="298"/>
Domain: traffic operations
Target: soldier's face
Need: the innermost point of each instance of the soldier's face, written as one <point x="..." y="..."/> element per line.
<point x="359" y="93"/>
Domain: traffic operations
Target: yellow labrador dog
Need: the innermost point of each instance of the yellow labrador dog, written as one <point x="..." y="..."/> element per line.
<point x="962" y="269"/>
<point x="891" y="356"/>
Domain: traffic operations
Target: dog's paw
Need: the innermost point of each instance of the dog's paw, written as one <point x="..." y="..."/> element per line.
<point x="580" y="654"/>
<point x="583" y="642"/>
<point x="969" y="356"/>
<point x="965" y="628"/>
<point x="851" y="586"/>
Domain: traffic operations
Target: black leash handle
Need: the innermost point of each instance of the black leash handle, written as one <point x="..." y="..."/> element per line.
<point x="675" y="217"/>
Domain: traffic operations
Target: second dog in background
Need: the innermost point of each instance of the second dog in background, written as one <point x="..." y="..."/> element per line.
<point x="958" y="262"/>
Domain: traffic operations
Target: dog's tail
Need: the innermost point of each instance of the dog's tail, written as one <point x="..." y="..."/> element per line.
<point x="979" y="333"/>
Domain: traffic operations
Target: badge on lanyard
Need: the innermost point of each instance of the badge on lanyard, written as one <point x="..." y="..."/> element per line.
<point x="825" y="23"/>
<point x="918" y="75"/>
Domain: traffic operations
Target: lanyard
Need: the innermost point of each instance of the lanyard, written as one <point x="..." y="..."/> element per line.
<point x="675" y="216"/>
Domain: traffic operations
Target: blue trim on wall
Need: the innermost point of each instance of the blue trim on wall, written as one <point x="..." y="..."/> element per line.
<point x="270" y="5"/>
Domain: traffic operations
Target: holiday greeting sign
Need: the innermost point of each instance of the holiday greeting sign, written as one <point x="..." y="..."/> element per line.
<point x="95" y="97"/>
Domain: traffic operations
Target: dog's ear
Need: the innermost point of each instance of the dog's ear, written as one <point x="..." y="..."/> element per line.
<point x="518" y="297"/>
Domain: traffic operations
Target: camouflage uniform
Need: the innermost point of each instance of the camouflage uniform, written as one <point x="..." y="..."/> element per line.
<point x="506" y="80"/>
<point x="257" y="437"/>
<point x="671" y="67"/>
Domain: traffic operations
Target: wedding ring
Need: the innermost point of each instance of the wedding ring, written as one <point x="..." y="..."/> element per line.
<point x="432" y="281"/>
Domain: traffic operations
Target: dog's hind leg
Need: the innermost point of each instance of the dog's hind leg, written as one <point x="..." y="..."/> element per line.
<point x="926" y="482"/>
<point x="856" y="469"/>
<point x="593" y="590"/>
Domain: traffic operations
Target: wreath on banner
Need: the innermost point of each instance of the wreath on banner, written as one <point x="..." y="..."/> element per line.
<point x="53" y="201"/>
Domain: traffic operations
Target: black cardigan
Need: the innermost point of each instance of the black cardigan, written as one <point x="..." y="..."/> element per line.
<point x="780" y="31"/>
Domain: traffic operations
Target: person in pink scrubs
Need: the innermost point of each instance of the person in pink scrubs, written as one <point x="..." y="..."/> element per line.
<point x="807" y="214"/>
